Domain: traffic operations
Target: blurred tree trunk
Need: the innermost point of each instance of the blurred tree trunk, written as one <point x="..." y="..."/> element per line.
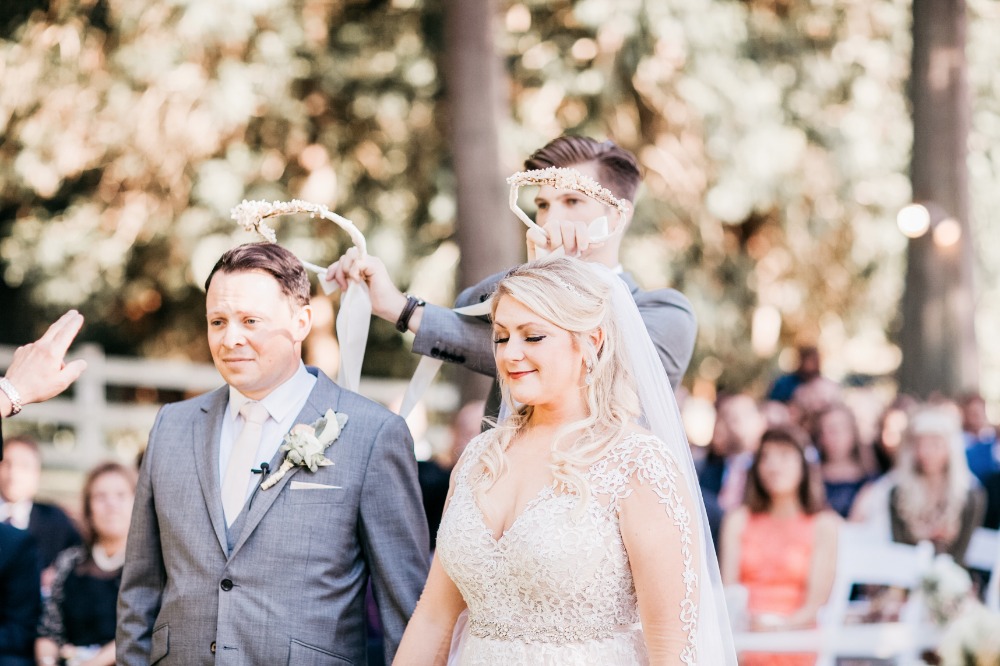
<point x="938" y="338"/>
<point x="487" y="236"/>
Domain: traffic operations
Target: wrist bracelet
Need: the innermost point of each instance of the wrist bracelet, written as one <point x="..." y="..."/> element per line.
<point x="412" y="303"/>
<point x="12" y="395"/>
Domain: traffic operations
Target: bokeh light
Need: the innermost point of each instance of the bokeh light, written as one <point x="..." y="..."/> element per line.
<point x="947" y="232"/>
<point x="914" y="220"/>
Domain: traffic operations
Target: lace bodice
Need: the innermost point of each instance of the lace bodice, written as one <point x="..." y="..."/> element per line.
<point x="556" y="587"/>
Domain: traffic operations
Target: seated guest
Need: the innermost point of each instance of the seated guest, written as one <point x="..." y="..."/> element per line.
<point x="891" y="427"/>
<point x="738" y="426"/>
<point x="871" y="505"/>
<point x="778" y="545"/>
<point x="20" y="473"/>
<point x="935" y="498"/>
<point x="992" y="488"/>
<point x="807" y="370"/>
<point x="980" y="437"/>
<point x="434" y="475"/>
<point x="466" y="424"/>
<point x="20" y="597"/>
<point x="843" y="467"/>
<point x="812" y="398"/>
<point x="722" y="472"/>
<point x="78" y="620"/>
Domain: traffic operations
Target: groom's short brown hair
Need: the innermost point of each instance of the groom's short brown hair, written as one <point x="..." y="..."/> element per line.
<point x="618" y="168"/>
<point x="270" y="258"/>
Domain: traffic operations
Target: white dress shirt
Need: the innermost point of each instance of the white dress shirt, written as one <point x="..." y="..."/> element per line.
<point x="283" y="404"/>
<point x="17" y="514"/>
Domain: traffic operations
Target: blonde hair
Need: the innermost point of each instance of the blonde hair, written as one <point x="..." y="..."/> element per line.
<point x="917" y="507"/>
<point x="568" y="294"/>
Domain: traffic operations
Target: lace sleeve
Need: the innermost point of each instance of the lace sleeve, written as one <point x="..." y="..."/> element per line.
<point x="50" y="625"/>
<point x="656" y="509"/>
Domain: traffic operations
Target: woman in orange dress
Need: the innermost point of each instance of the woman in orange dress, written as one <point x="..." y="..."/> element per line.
<point x="781" y="544"/>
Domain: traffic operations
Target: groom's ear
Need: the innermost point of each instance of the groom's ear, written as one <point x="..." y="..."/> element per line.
<point x="302" y="323"/>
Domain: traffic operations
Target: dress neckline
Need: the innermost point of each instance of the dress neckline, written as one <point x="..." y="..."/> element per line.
<point x="541" y="495"/>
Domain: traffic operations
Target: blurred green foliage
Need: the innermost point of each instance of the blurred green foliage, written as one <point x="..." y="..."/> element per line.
<point x="132" y="127"/>
<point x="774" y="135"/>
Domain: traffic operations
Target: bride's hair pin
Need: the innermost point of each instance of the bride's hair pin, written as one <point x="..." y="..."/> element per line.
<point x="251" y="215"/>
<point x="565" y="285"/>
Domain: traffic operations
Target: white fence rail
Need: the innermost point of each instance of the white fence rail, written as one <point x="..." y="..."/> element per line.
<point x="96" y="423"/>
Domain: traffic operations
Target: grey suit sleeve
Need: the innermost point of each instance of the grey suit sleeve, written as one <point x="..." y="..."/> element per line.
<point x="671" y="324"/>
<point x="456" y="338"/>
<point x="394" y="530"/>
<point x="443" y="334"/>
<point x="143" y="576"/>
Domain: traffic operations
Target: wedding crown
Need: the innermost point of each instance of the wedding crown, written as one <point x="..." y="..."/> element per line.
<point x="568" y="179"/>
<point x="251" y="215"/>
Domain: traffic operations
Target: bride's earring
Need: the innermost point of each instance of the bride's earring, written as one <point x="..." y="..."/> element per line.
<point x="589" y="378"/>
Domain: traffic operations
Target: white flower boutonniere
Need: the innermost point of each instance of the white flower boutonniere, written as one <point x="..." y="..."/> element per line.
<point x="304" y="445"/>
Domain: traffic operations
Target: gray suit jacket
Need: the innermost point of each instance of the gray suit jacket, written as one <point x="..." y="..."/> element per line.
<point x="291" y="588"/>
<point x="468" y="341"/>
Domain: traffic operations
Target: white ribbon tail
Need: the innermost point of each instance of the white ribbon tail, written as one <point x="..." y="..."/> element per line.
<point x="353" y="322"/>
<point x="476" y="309"/>
<point x="427" y="369"/>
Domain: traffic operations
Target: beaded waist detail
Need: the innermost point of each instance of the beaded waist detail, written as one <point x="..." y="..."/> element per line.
<point x="558" y="634"/>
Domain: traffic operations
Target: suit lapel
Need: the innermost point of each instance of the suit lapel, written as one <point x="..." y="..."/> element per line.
<point x="206" y="431"/>
<point x="325" y="395"/>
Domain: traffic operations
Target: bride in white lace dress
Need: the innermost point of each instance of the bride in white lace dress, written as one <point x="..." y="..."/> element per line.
<point x="572" y="534"/>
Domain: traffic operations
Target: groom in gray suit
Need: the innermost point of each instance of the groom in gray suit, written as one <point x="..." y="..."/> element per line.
<point x="225" y="568"/>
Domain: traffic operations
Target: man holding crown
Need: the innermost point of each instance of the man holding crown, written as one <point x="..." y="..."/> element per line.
<point x="565" y="219"/>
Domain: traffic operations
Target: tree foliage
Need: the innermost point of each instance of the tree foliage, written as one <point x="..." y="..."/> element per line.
<point x="132" y="127"/>
<point x="774" y="138"/>
<point x="774" y="134"/>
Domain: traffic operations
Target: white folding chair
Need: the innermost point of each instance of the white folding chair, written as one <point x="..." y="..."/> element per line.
<point x="865" y="558"/>
<point x="982" y="551"/>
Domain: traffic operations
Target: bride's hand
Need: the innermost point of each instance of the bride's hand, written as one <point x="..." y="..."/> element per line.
<point x="387" y="300"/>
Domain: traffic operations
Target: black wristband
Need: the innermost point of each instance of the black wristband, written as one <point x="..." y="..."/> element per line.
<point x="412" y="303"/>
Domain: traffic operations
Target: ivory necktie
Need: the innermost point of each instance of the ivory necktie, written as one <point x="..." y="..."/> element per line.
<point x="241" y="460"/>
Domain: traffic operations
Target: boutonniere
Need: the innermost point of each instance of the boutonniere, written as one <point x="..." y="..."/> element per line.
<point x="304" y="445"/>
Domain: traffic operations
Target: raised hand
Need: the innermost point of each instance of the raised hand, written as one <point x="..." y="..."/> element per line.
<point x="38" y="370"/>
<point x="387" y="300"/>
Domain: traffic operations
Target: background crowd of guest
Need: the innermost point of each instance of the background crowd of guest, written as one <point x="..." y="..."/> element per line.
<point x="793" y="467"/>
<point x="62" y="584"/>
<point x="785" y="470"/>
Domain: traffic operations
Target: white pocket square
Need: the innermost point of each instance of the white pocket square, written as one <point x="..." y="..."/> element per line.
<point x="306" y="485"/>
